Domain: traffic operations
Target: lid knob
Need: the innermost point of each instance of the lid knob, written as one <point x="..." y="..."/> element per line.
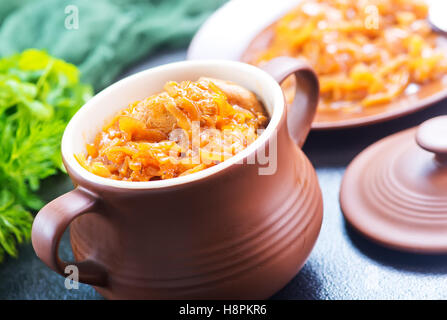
<point x="432" y="136"/>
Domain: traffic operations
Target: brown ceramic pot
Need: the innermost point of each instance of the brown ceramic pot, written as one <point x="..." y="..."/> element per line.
<point x="239" y="230"/>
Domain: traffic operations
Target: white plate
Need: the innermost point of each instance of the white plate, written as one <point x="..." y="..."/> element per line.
<point x="227" y="33"/>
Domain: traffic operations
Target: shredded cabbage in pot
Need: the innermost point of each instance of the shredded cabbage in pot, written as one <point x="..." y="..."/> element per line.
<point x="188" y="127"/>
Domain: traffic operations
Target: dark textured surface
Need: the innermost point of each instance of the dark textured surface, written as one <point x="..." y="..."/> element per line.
<point x="343" y="264"/>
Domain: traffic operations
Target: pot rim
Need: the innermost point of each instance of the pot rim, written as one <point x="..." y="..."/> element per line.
<point x="71" y="132"/>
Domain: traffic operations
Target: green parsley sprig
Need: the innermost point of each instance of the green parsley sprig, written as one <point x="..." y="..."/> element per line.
<point x="38" y="96"/>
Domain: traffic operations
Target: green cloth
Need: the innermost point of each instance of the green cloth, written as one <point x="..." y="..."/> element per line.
<point x="112" y="34"/>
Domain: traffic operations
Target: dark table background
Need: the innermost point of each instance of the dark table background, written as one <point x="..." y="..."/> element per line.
<point x="343" y="264"/>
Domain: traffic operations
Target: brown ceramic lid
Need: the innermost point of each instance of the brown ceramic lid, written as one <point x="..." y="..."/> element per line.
<point x="395" y="191"/>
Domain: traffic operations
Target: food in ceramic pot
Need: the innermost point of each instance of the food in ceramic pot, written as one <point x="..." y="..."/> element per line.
<point x="188" y="127"/>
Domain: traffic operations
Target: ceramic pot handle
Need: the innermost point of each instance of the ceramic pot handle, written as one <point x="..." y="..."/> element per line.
<point x="301" y="111"/>
<point x="432" y="136"/>
<point x="49" y="226"/>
